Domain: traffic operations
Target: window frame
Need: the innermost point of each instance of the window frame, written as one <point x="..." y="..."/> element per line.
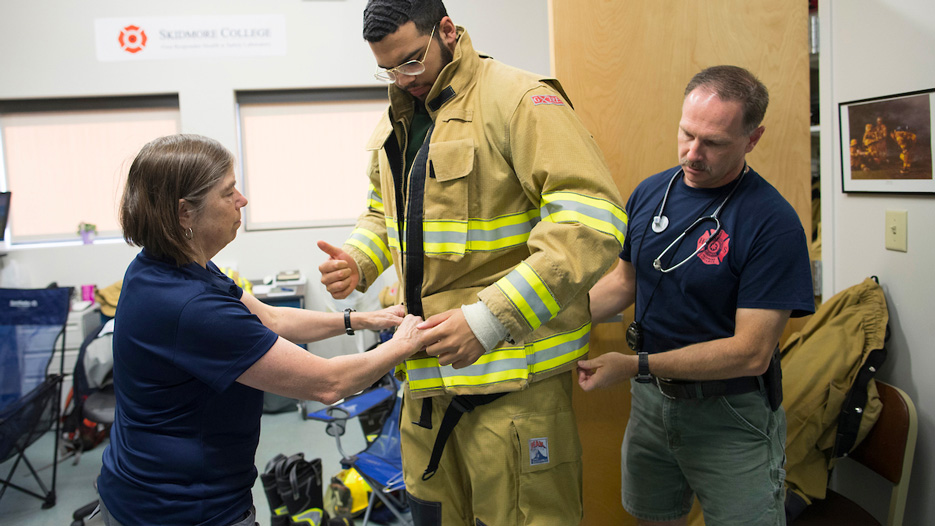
<point x="143" y="102"/>
<point x="301" y="96"/>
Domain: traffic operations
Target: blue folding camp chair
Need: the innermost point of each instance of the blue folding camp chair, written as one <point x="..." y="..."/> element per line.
<point x="380" y="463"/>
<point x="30" y="322"/>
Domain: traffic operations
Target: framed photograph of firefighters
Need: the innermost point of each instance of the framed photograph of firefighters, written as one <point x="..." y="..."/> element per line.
<point x="886" y="143"/>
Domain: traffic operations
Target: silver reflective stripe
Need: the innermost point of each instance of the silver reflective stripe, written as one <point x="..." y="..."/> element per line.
<point x="372" y="246"/>
<point x="527" y="295"/>
<point x="542" y="355"/>
<point x="482" y="237"/>
<point x="476" y="370"/>
<point x="374" y="199"/>
<point x="603" y="216"/>
<point x="392" y="234"/>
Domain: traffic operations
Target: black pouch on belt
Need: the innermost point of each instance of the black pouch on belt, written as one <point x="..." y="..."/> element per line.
<point x="772" y="380"/>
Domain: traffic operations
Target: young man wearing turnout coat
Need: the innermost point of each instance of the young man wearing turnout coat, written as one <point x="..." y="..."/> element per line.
<point x="495" y="206"/>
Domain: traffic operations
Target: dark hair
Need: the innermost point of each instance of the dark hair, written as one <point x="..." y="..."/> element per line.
<point x="166" y="170"/>
<point x="383" y="17"/>
<point x="732" y="83"/>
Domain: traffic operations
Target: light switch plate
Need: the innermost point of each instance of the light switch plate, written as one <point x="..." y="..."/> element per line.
<point x="895" y="231"/>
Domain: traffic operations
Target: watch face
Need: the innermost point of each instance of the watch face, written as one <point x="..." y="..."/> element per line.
<point x="635" y="336"/>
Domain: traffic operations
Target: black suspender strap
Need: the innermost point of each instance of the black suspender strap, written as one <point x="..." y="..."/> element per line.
<point x="393" y="153"/>
<point x="414" y="253"/>
<point x="425" y="419"/>
<point x="459" y="405"/>
<point x="413" y="259"/>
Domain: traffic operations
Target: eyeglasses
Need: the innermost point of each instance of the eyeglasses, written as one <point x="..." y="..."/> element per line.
<point x="411" y="68"/>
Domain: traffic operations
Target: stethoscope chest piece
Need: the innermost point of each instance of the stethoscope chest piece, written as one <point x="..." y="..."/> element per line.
<point x="660" y="223"/>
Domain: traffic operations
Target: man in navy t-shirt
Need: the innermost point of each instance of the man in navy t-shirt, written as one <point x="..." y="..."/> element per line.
<point x="716" y="261"/>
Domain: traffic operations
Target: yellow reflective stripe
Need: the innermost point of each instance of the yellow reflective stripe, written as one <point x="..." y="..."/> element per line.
<point x="529" y="294"/>
<point x="492" y="378"/>
<point x="374" y="199"/>
<point x="502" y="221"/>
<point x="596" y="213"/>
<point x="516" y="298"/>
<point x="595" y="202"/>
<point x="539" y="287"/>
<point x="574" y="216"/>
<point x="443" y="237"/>
<point x="371" y="245"/>
<point x="392" y="235"/>
<point x="501" y="232"/>
<point x="502" y="364"/>
<point x="559" y="349"/>
<point x="312" y="516"/>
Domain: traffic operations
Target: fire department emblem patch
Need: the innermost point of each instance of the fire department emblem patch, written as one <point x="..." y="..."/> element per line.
<point x="538" y="451"/>
<point x="546" y="99"/>
<point x="716" y="250"/>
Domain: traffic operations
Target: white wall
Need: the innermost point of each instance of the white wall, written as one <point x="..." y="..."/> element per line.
<point x="872" y="48"/>
<point x="48" y="51"/>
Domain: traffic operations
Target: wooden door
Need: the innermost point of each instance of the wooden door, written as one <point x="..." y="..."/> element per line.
<point x="625" y="64"/>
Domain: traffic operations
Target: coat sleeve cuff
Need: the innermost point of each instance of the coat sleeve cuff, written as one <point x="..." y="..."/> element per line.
<point x="486" y="327"/>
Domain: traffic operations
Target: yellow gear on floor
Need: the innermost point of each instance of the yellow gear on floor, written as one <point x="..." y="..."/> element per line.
<point x="348" y="494"/>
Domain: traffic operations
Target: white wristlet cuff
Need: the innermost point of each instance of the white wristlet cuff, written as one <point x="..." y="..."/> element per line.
<point x="486" y="327"/>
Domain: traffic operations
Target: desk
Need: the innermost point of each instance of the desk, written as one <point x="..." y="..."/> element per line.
<point x="282" y="294"/>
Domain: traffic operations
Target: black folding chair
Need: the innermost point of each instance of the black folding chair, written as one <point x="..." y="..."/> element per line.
<point x="30" y="322"/>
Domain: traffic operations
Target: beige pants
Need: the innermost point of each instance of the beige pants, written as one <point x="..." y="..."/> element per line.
<point x="514" y="461"/>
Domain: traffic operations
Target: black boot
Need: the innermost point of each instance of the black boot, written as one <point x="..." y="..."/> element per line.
<point x="299" y="484"/>
<point x="279" y="515"/>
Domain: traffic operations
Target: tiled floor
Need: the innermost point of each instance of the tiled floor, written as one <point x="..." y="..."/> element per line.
<point x="283" y="433"/>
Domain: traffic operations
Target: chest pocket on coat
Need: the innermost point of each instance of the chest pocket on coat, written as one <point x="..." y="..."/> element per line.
<point x="445" y="219"/>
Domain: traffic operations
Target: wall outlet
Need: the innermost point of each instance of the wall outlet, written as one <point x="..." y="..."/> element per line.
<point x="895" y="231"/>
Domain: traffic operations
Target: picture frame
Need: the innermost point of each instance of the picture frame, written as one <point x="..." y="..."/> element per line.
<point x="887" y="143"/>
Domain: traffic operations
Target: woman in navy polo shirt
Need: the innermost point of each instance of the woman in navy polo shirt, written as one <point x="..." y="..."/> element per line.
<point x="193" y="353"/>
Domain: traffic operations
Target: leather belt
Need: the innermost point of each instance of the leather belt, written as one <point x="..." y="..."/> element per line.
<point x="684" y="390"/>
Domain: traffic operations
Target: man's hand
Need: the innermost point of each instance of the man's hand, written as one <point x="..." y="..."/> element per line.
<point x="338" y="272"/>
<point x="449" y="337"/>
<point x="606" y="370"/>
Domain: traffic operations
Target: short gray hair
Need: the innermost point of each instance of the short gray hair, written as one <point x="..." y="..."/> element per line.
<point x="732" y="83"/>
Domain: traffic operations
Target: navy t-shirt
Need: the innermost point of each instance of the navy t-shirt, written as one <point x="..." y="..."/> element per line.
<point x="759" y="261"/>
<point x="183" y="444"/>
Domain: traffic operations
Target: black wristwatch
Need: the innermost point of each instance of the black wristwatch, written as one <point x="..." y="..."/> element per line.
<point x="642" y="372"/>
<point x="347" y="321"/>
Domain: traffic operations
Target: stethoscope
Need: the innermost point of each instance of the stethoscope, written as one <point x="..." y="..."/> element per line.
<point x="661" y="222"/>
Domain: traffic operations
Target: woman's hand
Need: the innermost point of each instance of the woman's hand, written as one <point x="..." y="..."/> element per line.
<point x="379" y="319"/>
<point x="408" y="335"/>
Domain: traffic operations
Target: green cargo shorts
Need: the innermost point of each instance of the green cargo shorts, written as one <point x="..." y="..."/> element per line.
<point x="729" y="450"/>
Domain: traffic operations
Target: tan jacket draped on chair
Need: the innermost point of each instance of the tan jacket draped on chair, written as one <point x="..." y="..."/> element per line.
<point x="819" y="365"/>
